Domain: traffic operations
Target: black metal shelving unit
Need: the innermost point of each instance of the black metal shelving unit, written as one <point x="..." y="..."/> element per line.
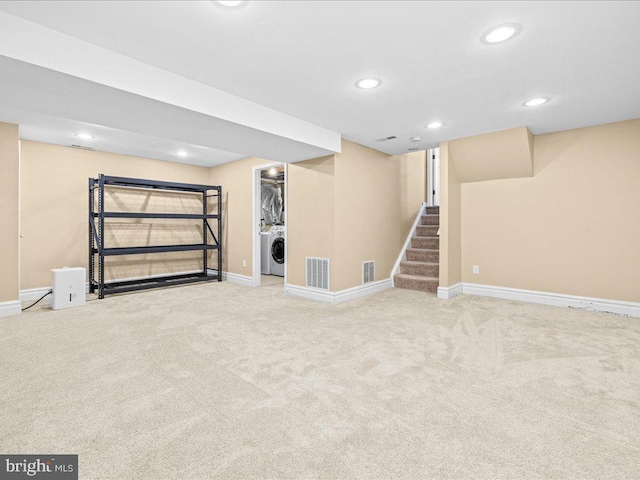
<point x="98" y="251"/>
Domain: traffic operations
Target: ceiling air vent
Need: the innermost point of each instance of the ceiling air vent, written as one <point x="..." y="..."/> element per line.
<point x="318" y="273"/>
<point x="81" y="147"/>
<point x="386" y="139"/>
<point x="368" y="271"/>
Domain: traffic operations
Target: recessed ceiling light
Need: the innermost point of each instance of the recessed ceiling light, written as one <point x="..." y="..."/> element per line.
<point x="434" y="125"/>
<point x="230" y="3"/>
<point x="534" y="102"/>
<point x="415" y="139"/>
<point x="84" y="136"/>
<point x="182" y="153"/>
<point x="273" y="171"/>
<point x="499" y="34"/>
<point x="368" y="83"/>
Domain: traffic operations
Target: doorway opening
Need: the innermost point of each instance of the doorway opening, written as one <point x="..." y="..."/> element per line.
<point x="433" y="177"/>
<point x="270" y="225"/>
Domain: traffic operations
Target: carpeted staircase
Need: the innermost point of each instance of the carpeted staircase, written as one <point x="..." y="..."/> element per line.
<point x="420" y="269"/>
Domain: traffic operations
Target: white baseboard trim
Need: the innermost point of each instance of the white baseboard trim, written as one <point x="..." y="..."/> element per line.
<point x="233" y="277"/>
<point x="14" y="307"/>
<point x="450" y="292"/>
<point x="339" y="297"/>
<point x="362" y="290"/>
<point x="555" y="299"/>
<point x="314" y="294"/>
<point x="237" y="278"/>
<point x="33" y="294"/>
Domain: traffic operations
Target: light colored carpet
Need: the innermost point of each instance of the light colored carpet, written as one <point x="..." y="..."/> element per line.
<point x="224" y="381"/>
<point x="270" y="280"/>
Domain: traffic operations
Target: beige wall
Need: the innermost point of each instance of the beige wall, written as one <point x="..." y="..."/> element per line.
<point x="236" y="180"/>
<point x="377" y="198"/>
<point x="573" y="228"/>
<point x="9" y="211"/>
<point x="411" y="188"/>
<point x="352" y="207"/>
<point x="54" y="212"/>
<point x="309" y="213"/>
<point x="311" y="208"/>
<point x="450" y="219"/>
<point x="492" y="156"/>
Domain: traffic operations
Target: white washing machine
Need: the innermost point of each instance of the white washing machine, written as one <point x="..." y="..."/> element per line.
<point x="276" y="250"/>
<point x="265" y="253"/>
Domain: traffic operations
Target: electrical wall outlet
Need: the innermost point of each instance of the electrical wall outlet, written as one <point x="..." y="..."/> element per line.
<point x="476" y="269"/>
<point x="244" y="263"/>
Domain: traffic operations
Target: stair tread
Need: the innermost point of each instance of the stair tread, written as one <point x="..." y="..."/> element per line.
<point x="416" y="277"/>
<point x="418" y="262"/>
<point x="434" y="250"/>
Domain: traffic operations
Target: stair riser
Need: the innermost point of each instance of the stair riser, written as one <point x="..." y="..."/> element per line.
<point x="433" y="210"/>
<point x="424" y="270"/>
<point x="430" y="220"/>
<point x="415" y="284"/>
<point x="423" y="256"/>
<point x="425" y="242"/>
<point x="427" y="230"/>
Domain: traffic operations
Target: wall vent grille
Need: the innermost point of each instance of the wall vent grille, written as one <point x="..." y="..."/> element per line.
<point x="318" y="273"/>
<point x="81" y="147"/>
<point x="368" y="271"/>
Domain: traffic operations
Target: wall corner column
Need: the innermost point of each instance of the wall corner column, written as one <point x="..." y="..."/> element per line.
<point x="450" y="220"/>
<point x="10" y="217"/>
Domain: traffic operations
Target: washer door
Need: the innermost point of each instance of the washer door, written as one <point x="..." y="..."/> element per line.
<point x="277" y="250"/>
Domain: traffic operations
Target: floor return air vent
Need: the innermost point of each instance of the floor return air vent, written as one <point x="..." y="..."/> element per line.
<point x="318" y="273"/>
<point x="368" y="271"/>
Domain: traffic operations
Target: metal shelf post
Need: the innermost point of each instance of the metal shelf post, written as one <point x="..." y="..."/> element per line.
<point x="219" y="233"/>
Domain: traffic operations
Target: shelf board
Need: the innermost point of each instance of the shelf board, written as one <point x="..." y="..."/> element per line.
<point x="187" y="216"/>
<point x="147" y="283"/>
<point x="108" y="252"/>
<point x="153" y="184"/>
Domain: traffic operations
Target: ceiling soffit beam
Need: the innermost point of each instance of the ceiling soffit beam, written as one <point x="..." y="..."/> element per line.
<point x="493" y="156"/>
<point x="32" y="43"/>
<point x="31" y="89"/>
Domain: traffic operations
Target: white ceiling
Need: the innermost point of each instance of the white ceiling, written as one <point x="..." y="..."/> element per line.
<point x="50" y="129"/>
<point x="45" y="103"/>
<point x="302" y="59"/>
